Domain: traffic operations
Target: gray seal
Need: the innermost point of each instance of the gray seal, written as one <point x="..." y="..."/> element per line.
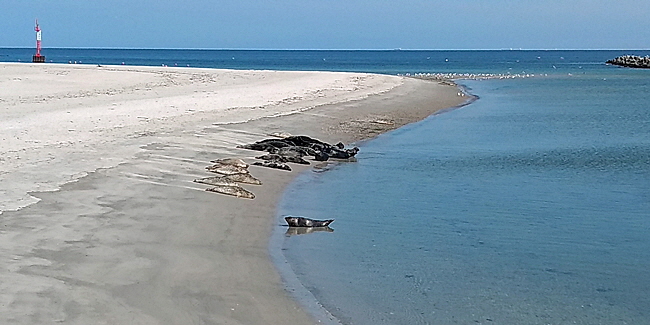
<point x="226" y="169"/>
<point x="235" y="190"/>
<point x="306" y="222"/>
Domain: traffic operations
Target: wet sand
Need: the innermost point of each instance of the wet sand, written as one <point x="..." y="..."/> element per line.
<point x="101" y="222"/>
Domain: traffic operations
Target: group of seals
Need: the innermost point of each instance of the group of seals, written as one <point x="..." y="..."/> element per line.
<point x="290" y="149"/>
<point x="294" y="148"/>
<point x="233" y="171"/>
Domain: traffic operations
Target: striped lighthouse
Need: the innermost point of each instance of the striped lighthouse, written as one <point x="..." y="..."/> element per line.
<point x="38" y="57"/>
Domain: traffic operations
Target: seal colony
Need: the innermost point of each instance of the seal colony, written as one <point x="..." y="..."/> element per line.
<point x="295" y="147"/>
<point x="233" y="171"/>
<point x="282" y="150"/>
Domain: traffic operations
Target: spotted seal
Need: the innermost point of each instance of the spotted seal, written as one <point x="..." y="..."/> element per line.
<point x="235" y="190"/>
<point x="231" y="161"/>
<point x="244" y="178"/>
<point x="226" y="169"/>
<point x="273" y="164"/>
<point x="216" y="181"/>
<point x="306" y="222"/>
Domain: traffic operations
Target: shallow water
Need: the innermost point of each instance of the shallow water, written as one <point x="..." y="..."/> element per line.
<point x="529" y="206"/>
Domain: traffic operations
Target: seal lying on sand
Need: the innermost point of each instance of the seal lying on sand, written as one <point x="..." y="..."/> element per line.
<point x="236" y="190"/>
<point x="231" y="161"/>
<point x="216" y="181"/>
<point x="229" y="180"/>
<point x="226" y="169"/>
<point x="272" y="164"/>
<point x="284" y="159"/>
<point x="244" y="178"/>
<point x="306" y="222"/>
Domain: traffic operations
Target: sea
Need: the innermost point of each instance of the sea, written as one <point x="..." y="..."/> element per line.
<point x="530" y="205"/>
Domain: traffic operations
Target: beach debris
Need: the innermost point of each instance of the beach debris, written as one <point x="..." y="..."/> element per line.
<point x="231" y="161"/>
<point x="306" y="222"/>
<point x="302" y="146"/>
<point x="225" y="169"/>
<point x="272" y="164"/>
<point x="235" y="190"/>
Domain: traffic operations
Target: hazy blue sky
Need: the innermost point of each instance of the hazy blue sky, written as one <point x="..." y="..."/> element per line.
<point x="329" y="24"/>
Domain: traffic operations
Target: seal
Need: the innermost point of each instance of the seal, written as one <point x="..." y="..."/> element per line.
<point x="284" y="159"/>
<point x="306" y="222"/>
<point x="231" y="161"/>
<point x="216" y="181"/>
<point x="222" y="169"/>
<point x="236" y="190"/>
<point x="272" y="164"/>
<point x="244" y="178"/>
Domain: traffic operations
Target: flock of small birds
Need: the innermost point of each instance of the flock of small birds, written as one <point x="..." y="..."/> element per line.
<point x="471" y="76"/>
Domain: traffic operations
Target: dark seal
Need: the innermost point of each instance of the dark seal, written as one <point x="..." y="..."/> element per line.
<point x="306" y="222"/>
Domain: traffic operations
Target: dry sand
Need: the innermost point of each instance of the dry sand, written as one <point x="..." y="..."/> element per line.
<point x="100" y="221"/>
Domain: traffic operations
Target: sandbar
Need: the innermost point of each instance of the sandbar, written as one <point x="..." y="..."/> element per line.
<point x="101" y="220"/>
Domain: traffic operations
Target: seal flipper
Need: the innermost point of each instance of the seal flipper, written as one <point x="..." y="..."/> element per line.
<point x="326" y="223"/>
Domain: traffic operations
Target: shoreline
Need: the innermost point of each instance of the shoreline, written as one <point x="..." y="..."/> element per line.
<point x="133" y="240"/>
<point x="290" y="280"/>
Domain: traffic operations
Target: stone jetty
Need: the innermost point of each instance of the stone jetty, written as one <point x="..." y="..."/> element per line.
<point x="631" y="61"/>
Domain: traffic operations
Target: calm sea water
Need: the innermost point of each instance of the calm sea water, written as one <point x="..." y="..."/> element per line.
<point x="529" y="206"/>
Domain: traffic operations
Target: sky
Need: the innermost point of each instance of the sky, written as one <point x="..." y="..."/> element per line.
<point x="329" y="24"/>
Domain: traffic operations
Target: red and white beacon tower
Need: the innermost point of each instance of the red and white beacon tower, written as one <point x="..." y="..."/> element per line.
<point x="38" y="57"/>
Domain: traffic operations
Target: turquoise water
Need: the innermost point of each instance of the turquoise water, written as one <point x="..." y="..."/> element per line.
<point x="529" y="206"/>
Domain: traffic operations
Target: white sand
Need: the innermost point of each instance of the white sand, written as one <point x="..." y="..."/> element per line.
<point x="120" y="233"/>
<point x="59" y="122"/>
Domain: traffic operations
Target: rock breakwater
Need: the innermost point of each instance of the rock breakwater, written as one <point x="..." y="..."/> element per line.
<point x="631" y="61"/>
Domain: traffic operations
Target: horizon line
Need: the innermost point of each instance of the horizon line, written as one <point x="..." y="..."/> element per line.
<point x="320" y="49"/>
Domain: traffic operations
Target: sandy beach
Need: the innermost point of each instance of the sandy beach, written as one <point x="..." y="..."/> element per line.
<point x="101" y="220"/>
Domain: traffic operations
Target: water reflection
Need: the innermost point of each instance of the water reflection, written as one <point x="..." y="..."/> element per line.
<point x="294" y="231"/>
